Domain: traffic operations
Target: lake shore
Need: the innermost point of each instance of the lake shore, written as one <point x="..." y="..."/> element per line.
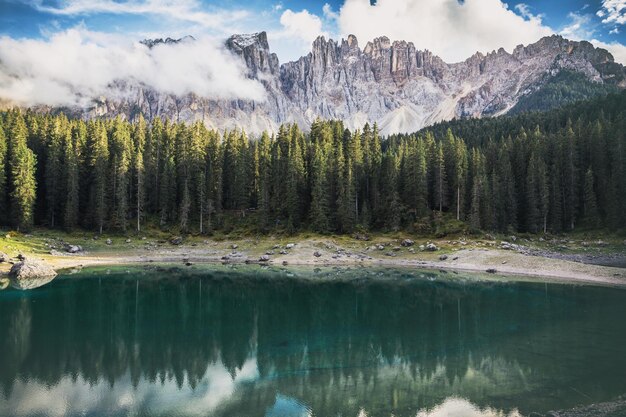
<point x="496" y="257"/>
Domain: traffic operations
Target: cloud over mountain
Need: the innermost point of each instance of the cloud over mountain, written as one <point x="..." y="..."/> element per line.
<point x="452" y="29"/>
<point x="74" y="66"/>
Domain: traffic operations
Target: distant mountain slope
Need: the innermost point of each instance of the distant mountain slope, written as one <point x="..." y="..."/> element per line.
<point x="558" y="90"/>
<point x="477" y="132"/>
<point x="393" y="84"/>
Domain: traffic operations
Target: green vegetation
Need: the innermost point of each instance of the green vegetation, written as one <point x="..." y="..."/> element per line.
<point x="564" y="88"/>
<point x="536" y="172"/>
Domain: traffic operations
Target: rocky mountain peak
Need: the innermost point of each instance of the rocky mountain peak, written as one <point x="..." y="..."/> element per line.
<point x="254" y="49"/>
<point x="388" y="82"/>
<point x="251" y="40"/>
<point x="352" y="41"/>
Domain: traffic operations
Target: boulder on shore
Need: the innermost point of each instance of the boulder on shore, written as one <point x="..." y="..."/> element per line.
<point x="73" y="248"/>
<point x="30" y="274"/>
<point x="407" y="243"/>
<point x="431" y="247"/>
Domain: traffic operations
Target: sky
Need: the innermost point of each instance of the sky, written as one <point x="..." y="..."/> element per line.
<point x="63" y="50"/>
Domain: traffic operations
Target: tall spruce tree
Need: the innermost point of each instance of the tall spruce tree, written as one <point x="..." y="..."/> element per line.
<point x="3" y="176"/>
<point x="22" y="163"/>
<point x="72" y="191"/>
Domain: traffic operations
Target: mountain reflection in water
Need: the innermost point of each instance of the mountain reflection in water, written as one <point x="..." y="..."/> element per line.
<point x="253" y="342"/>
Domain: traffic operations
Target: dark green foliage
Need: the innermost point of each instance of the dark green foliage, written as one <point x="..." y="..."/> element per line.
<point x="23" y="186"/>
<point x="531" y="173"/>
<point x="564" y="88"/>
<point x="3" y="176"/>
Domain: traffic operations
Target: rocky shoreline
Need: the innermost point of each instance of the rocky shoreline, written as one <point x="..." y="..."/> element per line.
<point x="512" y="257"/>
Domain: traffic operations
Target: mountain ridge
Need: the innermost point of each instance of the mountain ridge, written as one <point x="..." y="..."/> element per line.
<point x="390" y="83"/>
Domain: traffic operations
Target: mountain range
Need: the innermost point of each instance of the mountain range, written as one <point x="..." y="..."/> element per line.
<point x="393" y="84"/>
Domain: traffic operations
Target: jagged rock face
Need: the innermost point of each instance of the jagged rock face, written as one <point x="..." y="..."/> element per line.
<point x="391" y="83"/>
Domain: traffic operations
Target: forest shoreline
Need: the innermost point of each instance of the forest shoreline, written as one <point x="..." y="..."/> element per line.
<point x="323" y="253"/>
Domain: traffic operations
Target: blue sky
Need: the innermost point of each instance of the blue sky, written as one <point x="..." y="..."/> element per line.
<point x="293" y="24"/>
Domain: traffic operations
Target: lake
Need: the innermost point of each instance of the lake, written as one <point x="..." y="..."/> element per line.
<point x="251" y="341"/>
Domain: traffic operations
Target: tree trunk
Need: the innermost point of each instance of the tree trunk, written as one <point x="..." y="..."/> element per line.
<point x="201" y="209"/>
<point x="458" y="202"/>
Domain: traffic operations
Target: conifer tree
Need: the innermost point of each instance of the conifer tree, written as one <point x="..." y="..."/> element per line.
<point x="319" y="202"/>
<point x="355" y="155"/>
<point x="139" y="140"/>
<point x="440" y="180"/>
<point x="590" y="205"/>
<point x="54" y="187"/>
<point x="121" y="157"/>
<point x="22" y="163"/>
<point x="3" y="176"/>
<point x="72" y="192"/>
<point x="214" y="161"/>
<point x="265" y="184"/>
<point x="99" y="164"/>
<point x="477" y="216"/>
<point x="295" y="180"/>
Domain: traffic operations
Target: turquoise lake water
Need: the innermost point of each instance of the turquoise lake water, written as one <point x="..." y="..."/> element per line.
<point x="247" y="341"/>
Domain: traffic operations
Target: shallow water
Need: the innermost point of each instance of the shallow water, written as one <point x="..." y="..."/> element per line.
<point x="247" y="341"/>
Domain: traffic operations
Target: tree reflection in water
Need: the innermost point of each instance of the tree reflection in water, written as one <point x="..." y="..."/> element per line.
<point x="253" y="342"/>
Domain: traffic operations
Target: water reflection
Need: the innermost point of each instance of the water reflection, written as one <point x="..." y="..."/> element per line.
<point x="240" y="342"/>
<point x="30" y="283"/>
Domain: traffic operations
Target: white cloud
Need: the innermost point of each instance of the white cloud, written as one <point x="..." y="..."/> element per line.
<point x="525" y="12"/>
<point x="296" y="33"/>
<point x="578" y="28"/>
<point x="329" y="13"/>
<point x="613" y="12"/>
<point x="71" y="67"/>
<point x="303" y="25"/>
<point x="615" y="48"/>
<point x="181" y="10"/>
<point x="614" y="31"/>
<point x="453" y="30"/>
